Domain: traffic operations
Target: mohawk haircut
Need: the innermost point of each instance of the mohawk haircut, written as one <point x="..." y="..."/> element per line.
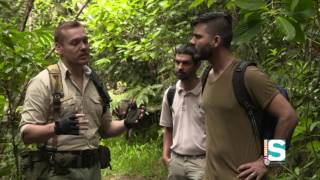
<point x="218" y="23"/>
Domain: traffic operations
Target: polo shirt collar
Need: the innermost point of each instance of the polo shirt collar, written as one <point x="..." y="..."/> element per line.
<point x="195" y="91"/>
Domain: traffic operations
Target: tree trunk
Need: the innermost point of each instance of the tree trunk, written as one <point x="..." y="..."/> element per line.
<point x="26" y="15"/>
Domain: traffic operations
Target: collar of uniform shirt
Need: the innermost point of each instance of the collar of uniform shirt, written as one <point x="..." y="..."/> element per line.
<point x="87" y="70"/>
<point x="65" y="72"/>
<point x="196" y="90"/>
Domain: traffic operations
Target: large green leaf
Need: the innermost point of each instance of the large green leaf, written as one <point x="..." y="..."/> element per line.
<point x="246" y="31"/>
<point x="3" y="3"/>
<point x="5" y="171"/>
<point x="250" y="4"/>
<point x="299" y="130"/>
<point x="300" y="34"/>
<point x="210" y="3"/>
<point x="285" y="27"/>
<point x="301" y="10"/>
<point x="305" y="9"/>
<point x="314" y="125"/>
<point x="165" y="4"/>
<point x="195" y="4"/>
<point x="294" y="4"/>
<point x="314" y="146"/>
<point x="248" y="27"/>
<point x="7" y="39"/>
<point x="2" y="104"/>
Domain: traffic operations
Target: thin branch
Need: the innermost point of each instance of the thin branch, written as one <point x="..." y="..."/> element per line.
<point x="314" y="41"/>
<point x="11" y="119"/>
<point x="21" y="97"/>
<point x="82" y="8"/>
<point x="49" y="54"/>
<point x="26" y="15"/>
<point x="75" y="18"/>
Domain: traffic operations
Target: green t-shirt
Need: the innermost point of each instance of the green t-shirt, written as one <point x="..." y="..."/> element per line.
<point x="230" y="138"/>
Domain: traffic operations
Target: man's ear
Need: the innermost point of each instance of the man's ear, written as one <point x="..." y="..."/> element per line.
<point x="216" y="41"/>
<point x="58" y="48"/>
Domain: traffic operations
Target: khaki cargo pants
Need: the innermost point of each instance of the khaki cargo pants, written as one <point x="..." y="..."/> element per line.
<point x="186" y="167"/>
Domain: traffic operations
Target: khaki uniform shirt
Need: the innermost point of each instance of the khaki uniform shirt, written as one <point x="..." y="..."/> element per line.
<point x="37" y="108"/>
<point x="186" y="120"/>
<point x="230" y="137"/>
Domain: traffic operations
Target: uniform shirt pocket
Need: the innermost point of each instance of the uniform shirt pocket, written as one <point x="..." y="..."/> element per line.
<point x="68" y="105"/>
<point x="94" y="108"/>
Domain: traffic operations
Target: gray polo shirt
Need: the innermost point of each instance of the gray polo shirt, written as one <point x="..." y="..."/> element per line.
<point x="186" y="120"/>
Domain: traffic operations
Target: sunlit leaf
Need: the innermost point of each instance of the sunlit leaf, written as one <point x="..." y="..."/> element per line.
<point x="314" y="146"/>
<point x="314" y="125"/>
<point x="250" y="4"/>
<point x="8" y="70"/>
<point x="110" y="27"/>
<point x="285" y="27"/>
<point x="165" y="4"/>
<point x="102" y="61"/>
<point x="2" y="104"/>
<point x="195" y="3"/>
<point x="294" y="4"/>
<point x="297" y="170"/>
<point x="210" y="3"/>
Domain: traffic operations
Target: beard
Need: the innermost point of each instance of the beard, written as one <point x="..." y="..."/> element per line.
<point x="181" y="75"/>
<point x="203" y="52"/>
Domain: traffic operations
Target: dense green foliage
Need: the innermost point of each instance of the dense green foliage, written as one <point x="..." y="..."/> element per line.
<point x="132" y="45"/>
<point x="136" y="158"/>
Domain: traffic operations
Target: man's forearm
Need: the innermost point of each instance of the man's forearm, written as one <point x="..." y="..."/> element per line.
<point x="115" y="128"/>
<point x="167" y="142"/>
<point x="285" y="126"/>
<point x="37" y="133"/>
<point x="287" y="117"/>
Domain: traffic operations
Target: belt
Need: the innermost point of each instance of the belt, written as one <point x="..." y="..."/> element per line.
<point x="88" y="152"/>
<point x="189" y="156"/>
<point x="71" y="159"/>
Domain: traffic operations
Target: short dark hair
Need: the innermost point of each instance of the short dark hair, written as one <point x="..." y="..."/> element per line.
<point x="217" y="23"/>
<point x="188" y="49"/>
<point x="58" y="35"/>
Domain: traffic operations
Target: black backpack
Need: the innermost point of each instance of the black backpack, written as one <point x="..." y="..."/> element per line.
<point x="170" y="95"/>
<point x="262" y="122"/>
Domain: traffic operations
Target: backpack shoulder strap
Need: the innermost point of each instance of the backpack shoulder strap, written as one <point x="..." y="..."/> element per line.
<point x="57" y="95"/>
<point x="242" y="94"/>
<point x="56" y="87"/>
<point x="170" y="95"/>
<point x="204" y="76"/>
<point x="101" y="90"/>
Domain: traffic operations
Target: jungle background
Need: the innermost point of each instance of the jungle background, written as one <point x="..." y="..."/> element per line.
<point x="132" y="47"/>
